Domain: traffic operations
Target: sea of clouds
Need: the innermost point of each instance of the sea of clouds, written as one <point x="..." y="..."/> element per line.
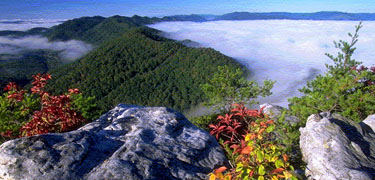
<point x="290" y="52"/>
<point x="23" y="25"/>
<point x="69" y="50"/>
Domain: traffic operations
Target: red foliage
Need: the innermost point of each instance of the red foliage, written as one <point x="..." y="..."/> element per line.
<point x="233" y="125"/>
<point x="14" y="92"/>
<point x="39" y="83"/>
<point x="366" y="82"/>
<point x="11" y="86"/>
<point x="56" y="114"/>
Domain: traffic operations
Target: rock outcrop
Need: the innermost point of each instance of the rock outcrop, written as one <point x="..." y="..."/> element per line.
<point x="128" y="143"/>
<point x="275" y="112"/>
<point x="336" y="148"/>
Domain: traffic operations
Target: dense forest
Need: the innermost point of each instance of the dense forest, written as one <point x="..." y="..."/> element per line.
<point x="142" y="68"/>
<point x="130" y="63"/>
<point x="93" y="30"/>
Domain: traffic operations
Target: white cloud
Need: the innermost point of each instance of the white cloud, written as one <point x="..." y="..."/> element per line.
<point x="23" y="25"/>
<point x="70" y="50"/>
<point x="290" y="52"/>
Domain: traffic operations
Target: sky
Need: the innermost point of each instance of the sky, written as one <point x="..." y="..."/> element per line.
<point x="67" y="9"/>
<point x="290" y="52"/>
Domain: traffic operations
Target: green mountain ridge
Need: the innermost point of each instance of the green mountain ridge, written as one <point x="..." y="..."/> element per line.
<point x="131" y="63"/>
<point x="141" y="68"/>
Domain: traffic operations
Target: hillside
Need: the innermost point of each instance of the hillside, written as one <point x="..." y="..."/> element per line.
<point x="94" y="30"/>
<point x="141" y="68"/>
<point x="130" y="64"/>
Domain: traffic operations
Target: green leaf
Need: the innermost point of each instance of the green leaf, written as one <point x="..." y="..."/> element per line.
<point x="279" y="163"/>
<point x="260" y="156"/>
<point x="261" y="170"/>
<point x="270" y="128"/>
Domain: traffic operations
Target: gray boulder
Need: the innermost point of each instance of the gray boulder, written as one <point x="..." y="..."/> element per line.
<point x="275" y="112"/>
<point x="369" y="121"/>
<point x="336" y="148"/>
<point x="127" y="143"/>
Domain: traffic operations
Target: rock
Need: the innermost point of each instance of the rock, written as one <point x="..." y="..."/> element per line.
<point x="127" y="143"/>
<point x="370" y="121"/>
<point x="275" y="112"/>
<point x="336" y="148"/>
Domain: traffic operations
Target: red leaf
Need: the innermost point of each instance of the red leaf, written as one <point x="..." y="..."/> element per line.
<point x="221" y="169"/>
<point x="278" y="170"/>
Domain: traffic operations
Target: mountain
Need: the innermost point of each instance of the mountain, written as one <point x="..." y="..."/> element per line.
<point x="208" y="17"/>
<point x="96" y="30"/>
<point x="31" y="32"/>
<point x="93" y="30"/>
<point x="193" y="17"/>
<point x="142" y="68"/>
<point x="323" y="15"/>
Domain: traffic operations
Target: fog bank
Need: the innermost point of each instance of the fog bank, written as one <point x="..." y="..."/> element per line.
<point x="290" y="52"/>
<point x="69" y="50"/>
<point x="23" y="25"/>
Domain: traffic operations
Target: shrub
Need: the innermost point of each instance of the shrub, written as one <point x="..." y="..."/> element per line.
<point x="249" y="140"/>
<point x="228" y="86"/>
<point x="287" y="135"/>
<point x="16" y="108"/>
<point x="204" y="121"/>
<point x="347" y="88"/>
<point x="26" y="114"/>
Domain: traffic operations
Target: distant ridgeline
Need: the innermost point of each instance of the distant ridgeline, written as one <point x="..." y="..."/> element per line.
<point x="324" y="15"/>
<point x="131" y="63"/>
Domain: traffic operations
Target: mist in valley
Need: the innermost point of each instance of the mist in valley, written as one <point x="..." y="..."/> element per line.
<point x="289" y="52"/>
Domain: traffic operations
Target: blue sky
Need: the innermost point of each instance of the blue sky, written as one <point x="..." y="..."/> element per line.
<point x="53" y="9"/>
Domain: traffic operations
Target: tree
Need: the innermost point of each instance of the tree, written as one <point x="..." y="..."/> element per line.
<point x="228" y="86"/>
<point x="345" y="89"/>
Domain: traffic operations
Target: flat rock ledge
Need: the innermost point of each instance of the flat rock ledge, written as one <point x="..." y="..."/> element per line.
<point x="127" y="143"/>
<point x="336" y="148"/>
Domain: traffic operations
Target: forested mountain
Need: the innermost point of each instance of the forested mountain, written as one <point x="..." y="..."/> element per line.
<point x="324" y="15"/>
<point x="97" y="29"/>
<point x="31" y="32"/>
<point x="94" y="30"/>
<point x="130" y="63"/>
<point x="141" y="68"/>
<point x="193" y="17"/>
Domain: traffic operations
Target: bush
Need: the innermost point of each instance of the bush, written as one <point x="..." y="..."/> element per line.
<point x="228" y="86"/>
<point x="347" y="88"/>
<point x="26" y="114"/>
<point x="16" y="108"/>
<point x="249" y="141"/>
<point x="204" y="121"/>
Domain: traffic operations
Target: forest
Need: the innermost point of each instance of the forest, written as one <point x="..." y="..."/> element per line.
<point x="141" y="68"/>
<point x="131" y="63"/>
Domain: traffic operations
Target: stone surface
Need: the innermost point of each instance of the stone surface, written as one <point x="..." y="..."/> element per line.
<point x="128" y="143"/>
<point x="275" y="112"/>
<point x="336" y="148"/>
<point x="370" y="121"/>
